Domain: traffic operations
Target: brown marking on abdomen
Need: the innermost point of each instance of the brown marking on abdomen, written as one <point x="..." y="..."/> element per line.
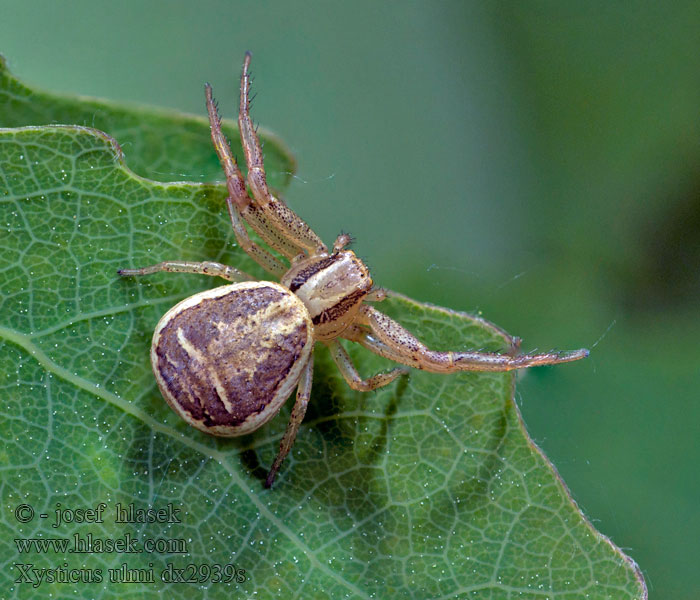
<point x="244" y="343"/>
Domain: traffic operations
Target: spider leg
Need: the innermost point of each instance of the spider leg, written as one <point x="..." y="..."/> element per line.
<point x="180" y="266"/>
<point x="389" y="339"/>
<point x="364" y="337"/>
<point x="258" y="254"/>
<point x="298" y="412"/>
<point x="349" y="372"/>
<point x="240" y="205"/>
<point x="276" y="212"/>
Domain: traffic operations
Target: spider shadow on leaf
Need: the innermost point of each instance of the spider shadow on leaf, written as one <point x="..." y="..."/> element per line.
<point x="330" y="418"/>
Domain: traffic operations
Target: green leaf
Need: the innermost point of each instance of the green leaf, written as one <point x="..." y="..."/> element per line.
<point x="429" y="488"/>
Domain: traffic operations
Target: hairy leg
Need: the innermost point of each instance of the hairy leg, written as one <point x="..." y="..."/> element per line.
<point x="298" y="412"/>
<point x="286" y="221"/>
<point x="181" y="266"/>
<point x="389" y="339"/>
<point x="241" y="206"/>
<point x="349" y="372"/>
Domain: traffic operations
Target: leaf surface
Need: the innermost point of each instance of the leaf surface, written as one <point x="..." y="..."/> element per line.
<point x="429" y="488"/>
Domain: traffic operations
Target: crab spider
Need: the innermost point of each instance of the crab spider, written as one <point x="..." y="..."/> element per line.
<point x="226" y="359"/>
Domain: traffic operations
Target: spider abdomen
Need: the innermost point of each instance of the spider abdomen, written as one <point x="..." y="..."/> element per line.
<point x="226" y="359"/>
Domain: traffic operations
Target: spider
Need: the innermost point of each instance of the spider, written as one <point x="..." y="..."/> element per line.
<point x="226" y="359"/>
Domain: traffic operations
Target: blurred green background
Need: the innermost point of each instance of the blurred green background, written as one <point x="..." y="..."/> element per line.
<point x="537" y="163"/>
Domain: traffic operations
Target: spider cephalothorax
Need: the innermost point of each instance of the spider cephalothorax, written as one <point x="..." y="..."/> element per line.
<point x="227" y="359"/>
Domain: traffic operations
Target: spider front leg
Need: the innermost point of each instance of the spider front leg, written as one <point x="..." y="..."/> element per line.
<point x="277" y="213"/>
<point x="389" y="339"/>
<point x="213" y="269"/>
<point x="238" y="201"/>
